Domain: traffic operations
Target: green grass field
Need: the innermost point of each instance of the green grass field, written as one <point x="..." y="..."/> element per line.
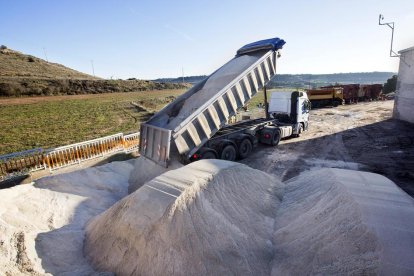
<point x="47" y="122"/>
<point x="56" y="121"/>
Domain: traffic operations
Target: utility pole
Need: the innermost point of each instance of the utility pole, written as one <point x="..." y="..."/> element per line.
<point x="391" y="26"/>
<point x="93" y="69"/>
<point x="182" y="69"/>
<point x="44" y="51"/>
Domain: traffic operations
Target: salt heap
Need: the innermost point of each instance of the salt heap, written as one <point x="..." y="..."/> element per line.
<point x="211" y="217"/>
<point x="335" y="221"/>
<point x="217" y="218"/>
<point x="42" y="224"/>
<point x="145" y="170"/>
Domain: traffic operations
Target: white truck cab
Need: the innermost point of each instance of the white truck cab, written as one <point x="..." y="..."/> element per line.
<point x="290" y="108"/>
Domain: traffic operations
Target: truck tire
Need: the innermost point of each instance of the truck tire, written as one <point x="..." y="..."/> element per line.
<point x="275" y="138"/>
<point x="245" y="148"/>
<point x="228" y="153"/>
<point x="300" y="131"/>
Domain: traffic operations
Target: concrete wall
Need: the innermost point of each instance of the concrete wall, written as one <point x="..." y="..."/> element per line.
<point x="404" y="100"/>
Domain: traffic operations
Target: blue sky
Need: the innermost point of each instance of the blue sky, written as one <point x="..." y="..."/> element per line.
<point x="152" y="39"/>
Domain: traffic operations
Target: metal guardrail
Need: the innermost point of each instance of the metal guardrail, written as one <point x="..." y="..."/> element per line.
<point x="131" y="142"/>
<point x="20" y="163"/>
<point x="25" y="162"/>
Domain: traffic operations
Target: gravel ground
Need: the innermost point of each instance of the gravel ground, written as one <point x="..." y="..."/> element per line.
<point x="360" y="137"/>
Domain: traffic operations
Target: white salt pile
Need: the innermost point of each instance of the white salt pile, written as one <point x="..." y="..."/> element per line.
<point x="211" y="217"/>
<point x="145" y="170"/>
<point x="334" y="221"/>
<point x="42" y="225"/>
<point x="218" y="218"/>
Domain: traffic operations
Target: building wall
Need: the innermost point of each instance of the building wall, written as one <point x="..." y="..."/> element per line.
<point x="404" y="100"/>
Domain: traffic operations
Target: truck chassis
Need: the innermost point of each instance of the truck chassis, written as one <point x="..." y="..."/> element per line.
<point x="236" y="141"/>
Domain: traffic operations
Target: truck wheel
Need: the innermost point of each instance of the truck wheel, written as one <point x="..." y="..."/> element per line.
<point x="275" y="138"/>
<point x="208" y="155"/>
<point x="245" y="148"/>
<point x="228" y="153"/>
<point x="300" y="131"/>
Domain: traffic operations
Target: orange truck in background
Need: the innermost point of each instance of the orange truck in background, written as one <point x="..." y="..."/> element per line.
<point x="332" y="96"/>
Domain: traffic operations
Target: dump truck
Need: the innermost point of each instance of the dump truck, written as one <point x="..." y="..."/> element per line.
<point x="370" y="92"/>
<point x="291" y="109"/>
<point x="326" y="96"/>
<point x="194" y="126"/>
<point x="350" y="92"/>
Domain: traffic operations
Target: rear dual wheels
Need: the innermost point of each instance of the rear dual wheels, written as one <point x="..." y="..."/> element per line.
<point x="228" y="153"/>
<point x="245" y="148"/>
<point x="229" y="150"/>
<point x="231" y="153"/>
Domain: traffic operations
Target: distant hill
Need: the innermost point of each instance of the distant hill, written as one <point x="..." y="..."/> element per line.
<point x="26" y="75"/>
<point x="15" y="64"/>
<point x="306" y="80"/>
<point x="188" y="79"/>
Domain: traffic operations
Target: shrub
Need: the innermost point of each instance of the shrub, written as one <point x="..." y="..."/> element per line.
<point x="390" y="85"/>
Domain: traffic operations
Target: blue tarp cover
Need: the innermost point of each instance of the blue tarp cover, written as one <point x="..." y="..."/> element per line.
<point x="266" y="44"/>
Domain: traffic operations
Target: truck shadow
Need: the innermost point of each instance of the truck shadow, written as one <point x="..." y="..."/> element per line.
<point x="386" y="148"/>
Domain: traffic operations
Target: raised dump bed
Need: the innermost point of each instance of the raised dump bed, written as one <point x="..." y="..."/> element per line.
<point x="185" y="124"/>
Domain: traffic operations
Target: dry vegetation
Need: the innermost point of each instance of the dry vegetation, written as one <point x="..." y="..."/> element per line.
<point x="25" y="75"/>
<point x="46" y="87"/>
<point x="18" y="65"/>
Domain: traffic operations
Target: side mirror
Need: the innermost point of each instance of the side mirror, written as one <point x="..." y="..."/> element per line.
<point x="308" y="106"/>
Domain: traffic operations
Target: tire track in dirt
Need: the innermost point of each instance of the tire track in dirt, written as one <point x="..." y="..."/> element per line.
<point x="358" y="137"/>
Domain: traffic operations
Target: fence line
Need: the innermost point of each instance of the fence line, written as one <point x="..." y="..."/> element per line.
<point x="24" y="162"/>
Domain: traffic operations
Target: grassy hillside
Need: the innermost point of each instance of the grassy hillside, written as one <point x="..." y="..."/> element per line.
<point x="18" y="65"/>
<point x="46" y="87"/>
<point x="26" y="75"/>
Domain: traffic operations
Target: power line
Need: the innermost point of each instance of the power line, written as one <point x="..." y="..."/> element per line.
<point x="93" y="69"/>
<point x="44" y="51"/>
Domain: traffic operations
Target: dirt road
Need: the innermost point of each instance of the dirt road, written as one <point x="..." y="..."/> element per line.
<point x="101" y="96"/>
<point x="358" y="137"/>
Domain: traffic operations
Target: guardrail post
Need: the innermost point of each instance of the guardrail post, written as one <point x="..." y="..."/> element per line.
<point x="101" y="147"/>
<point x="44" y="161"/>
